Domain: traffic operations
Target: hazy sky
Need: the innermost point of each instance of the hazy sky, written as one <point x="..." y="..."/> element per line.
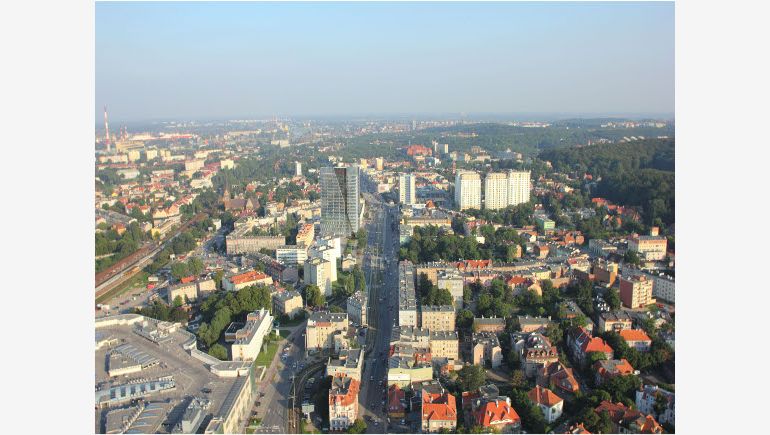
<point x="235" y="60"/>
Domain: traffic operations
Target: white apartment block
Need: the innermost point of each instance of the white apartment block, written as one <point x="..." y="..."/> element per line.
<point x="406" y="189"/>
<point x="291" y="254"/>
<point x="318" y="272"/>
<point x="248" y="340"/>
<point x="468" y="190"/>
<point x="519" y="186"/>
<point x="495" y="191"/>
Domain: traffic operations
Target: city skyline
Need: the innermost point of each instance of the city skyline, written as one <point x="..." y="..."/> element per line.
<point x="225" y="61"/>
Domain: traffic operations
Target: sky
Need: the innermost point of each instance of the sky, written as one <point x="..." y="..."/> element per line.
<point x="246" y="60"/>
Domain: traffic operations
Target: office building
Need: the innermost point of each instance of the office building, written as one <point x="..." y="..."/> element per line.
<point x="652" y="248"/>
<point x="467" y="190"/>
<point x="406" y="189"/>
<point x="340" y="203"/>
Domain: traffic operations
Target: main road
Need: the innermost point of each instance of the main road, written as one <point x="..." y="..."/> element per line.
<point x="380" y="268"/>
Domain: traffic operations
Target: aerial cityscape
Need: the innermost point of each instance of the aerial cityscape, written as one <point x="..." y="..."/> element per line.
<point x="442" y="271"/>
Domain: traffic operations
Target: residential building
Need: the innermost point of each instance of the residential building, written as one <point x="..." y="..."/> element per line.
<point x="605" y="272"/>
<point x="406" y="189"/>
<point x="485" y="407"/>
<point x="241" y="241"/>
<point x="489" y="324"/>
<point x="636" y="291"/>
<point x="248" y="340"/>
<point x="288" y="303"/>
<point x="186" y="291"/>
<point x="350" y="363"/>
<point x="556" y="376"/>
<point x="241" y="280"/>
<point x="617" y="321"/>
<point x="651" y="248"/>
<point x="519" y="187"/>
<point x="343" y="402"/>
<point x="649" y="395"/>
<point x="529" y="324"/>
<point x="495" y="191"/>
<point x="297" y="169"/>
<point x="545" y="224"/>
<point x="581" y="344"/>
<point x="318" y="272"/>
<point x="608" y="368"/>
<point x="454" y="282"/>
<point x="407" y="299"/>
<point x="396" y="403"/>
<point x="636" y="338"/>
<point x="437" y="317"/>
<point x="340" y="203"/>
<point x="627" y="420"/>
<point x="445" y="344"/>
<point x="328" y="253"/>
<point x="439" y="411"/>
<point x="468" y="190"/>
<point x="486" y="349"/>
<point x="551" y="404"/>
<point x="535" y="351"/>
<point x="357" y="307"/>
<point x="321" y="327"/>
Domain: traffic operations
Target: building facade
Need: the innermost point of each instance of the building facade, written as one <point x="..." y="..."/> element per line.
<point x="468" y="190"/>
<point x="406" y="189"/>
<point x="340" y="204"/>
<point x="495" y="191"/>
<point x="636" y="291"/>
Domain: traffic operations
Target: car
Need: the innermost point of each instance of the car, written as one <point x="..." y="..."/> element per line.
<point x="206" y="390"/>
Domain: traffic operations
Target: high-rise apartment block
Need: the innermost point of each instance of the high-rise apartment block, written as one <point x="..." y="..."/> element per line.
<point x="340" y="204"/>
<point x="636" y="291"/>
<point x="406" y="189"/>
<point x="468" y="190"/>
<point x="496" y="191"/>
<point x="519" y="186"/>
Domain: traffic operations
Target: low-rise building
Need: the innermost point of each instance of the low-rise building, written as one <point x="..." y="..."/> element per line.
<point x="238" y="281"/>
<point x="357" y="307"/>
<point x="529" y="324"/>
<point x="288" y="303"/>
<point x="614" y="321"/>
<point x="606" y="369"/>
<point x="627" y="420"/>
<point x="652" y="248"/>
<point x="454" y="283"/>
<point x="535" y="351"/>
<point x="556" y="376"/>
<point x="551" y="404"/>
<point x="321" y="327"/>
<point x="438" y="317"/>
<point x="445" y="344"/>
<point x="349" y="362"/>
<point x="489" y="324"/>
<point x="439" y="411"/>
<point x="648" y="400"/>
<point x="636" y="338"/>
<point x="581" y="344"/>
<point x="343" y="402"/>
<point x="186" y="291"/>
<point x="485" y="407"/>
<point x="485" y="349"/>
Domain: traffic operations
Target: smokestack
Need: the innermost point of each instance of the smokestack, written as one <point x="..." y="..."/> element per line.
<point x="106" y="129"/>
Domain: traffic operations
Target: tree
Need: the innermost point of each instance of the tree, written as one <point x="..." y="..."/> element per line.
<point x="179" y="270"/>
<point x="471" y="377"/>
<point x="612" y="298"/>
<point x="178" y="301"/>
<point x="631" y="257"/>
<point x="464" y="319"/>
<point x="218" y="351"/>
<point x="359" y="426"/>
<point x="596" y="356"/>
<point x="361" y="238"/>
<point x="313" y="296"/>
<point x="517" y="379"/>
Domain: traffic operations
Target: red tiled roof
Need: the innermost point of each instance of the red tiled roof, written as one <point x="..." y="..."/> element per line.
<point x="187" y="279"/>
<point x="634" y="335"/>
<point x="438" y="407"/>
<point x="544" y="396"/>
<point x="496" y="412"/>
<point x="250" y="276"/>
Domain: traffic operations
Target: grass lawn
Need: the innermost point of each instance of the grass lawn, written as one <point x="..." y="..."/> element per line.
<point x="284" y="333"/>
<point x="266" y="357"/>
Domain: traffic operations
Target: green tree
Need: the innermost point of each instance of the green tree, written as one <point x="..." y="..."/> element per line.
<point x="612" y="298"/>
<point x="195" y="266"/>
<point x="359" y="426"/>
<point x="178" y="301"/>
<point x="218" y="351"/>
<point x="313" y="296"/>
<point x="471" y="377"/>
<point x="631" y="257"/>
<point x="179" y="270"/>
